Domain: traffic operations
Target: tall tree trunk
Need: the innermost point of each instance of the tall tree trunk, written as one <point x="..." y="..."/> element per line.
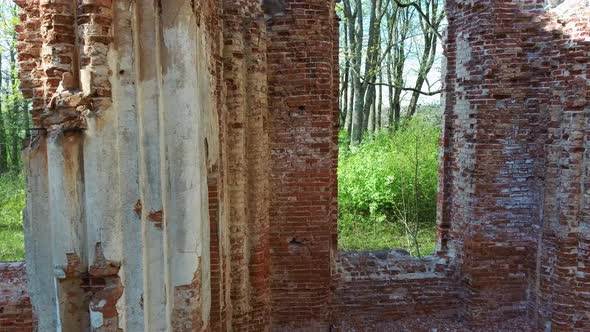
<point x="3" y="138"/>
<point x="399" y="60"/>
<point x="349" y="114"/>
<point x="15" y="123"/>
<point x="369" y="103"/>
<point x="345" y="78"/>
<point x="435" y="17"/>
<point x="390" y="111"/>
<point x="373" y="120"/>
<point x="344" y="102"/>
<point x="357" y="119"/>
<point x="372" y="60"/>
<point x="380" y="101"/>
<point x="356" y="32"/>
<point x="397" y="108"/>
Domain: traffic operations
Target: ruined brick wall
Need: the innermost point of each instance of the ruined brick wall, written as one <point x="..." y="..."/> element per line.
<point x="303" y="83"/>
<point x="182" y="174"/>
<point x="125" y="107"/>
<point x="512" y="199"/>
<point x="562" y="284"/>
<point x="246" y="164"/>
<point x="16" y="314"/>
<point x="513" y="235"/>
<point x="390" y="285"/>
<point x="149" y="195"/>
<point x="488" y="205"/>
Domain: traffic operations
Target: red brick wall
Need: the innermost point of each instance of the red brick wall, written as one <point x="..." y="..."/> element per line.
<point x="303" y="136"/>
<point x="16" y="314"/>
<point x="513" y="168"/>
<point x="513" y="204"/>
<point x="245" y="151"/>
<point x="390" y="285"/>
<point x="217" y="315"/>
<point x="561" y="299"/>
<point x="29" y="50"/>
<point x="489" y="204"/>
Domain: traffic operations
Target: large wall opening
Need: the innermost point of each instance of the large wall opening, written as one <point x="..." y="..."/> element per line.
<point x="14" y="126"/>
<point x="16" y="313"/>
<point x="390" y="120"/>
<point x="388" y="189"/>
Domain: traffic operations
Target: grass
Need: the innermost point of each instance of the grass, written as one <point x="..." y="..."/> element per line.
<point x="12" y="203"/>
<point x="360" y="236"/>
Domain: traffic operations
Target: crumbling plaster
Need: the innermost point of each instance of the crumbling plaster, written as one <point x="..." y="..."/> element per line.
<point x="182" y="174"/>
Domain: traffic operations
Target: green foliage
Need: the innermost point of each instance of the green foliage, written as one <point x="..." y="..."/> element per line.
<point x="359" y="233"/>
<point x="14" y="118"/>
<point x="388" y="187"/>
<point x="13" y="124"/>
<point x="12" y="203"/>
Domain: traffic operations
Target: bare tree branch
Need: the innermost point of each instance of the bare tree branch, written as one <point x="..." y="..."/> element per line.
<point x="365" y="81"/>
<point x="419" y="10"/>
<point x="424" y="93"/>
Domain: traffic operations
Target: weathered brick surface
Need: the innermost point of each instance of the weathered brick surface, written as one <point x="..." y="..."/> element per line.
<point x="196" y="144"/>
<point x="491" y="151"/>
<point x="561" y="292"/>
<point x="390" y="285"/>
<point x="16" y="314"/>
<point x="245" y="130"/>
<point x="512" y="201"/>
<point x="303" y="143"/>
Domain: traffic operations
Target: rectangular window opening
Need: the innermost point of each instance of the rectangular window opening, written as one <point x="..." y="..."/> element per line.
<point x="390" y="125"/>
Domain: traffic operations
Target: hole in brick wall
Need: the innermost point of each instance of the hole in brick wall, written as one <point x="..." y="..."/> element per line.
<point x="273" y="7"/>
<point x="295" y="242"/>
<point x="299" y="112"/>
<point x="299" y="247"/>
<point x="388" y="155"/>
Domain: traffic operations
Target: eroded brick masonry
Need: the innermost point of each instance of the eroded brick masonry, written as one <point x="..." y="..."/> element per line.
<point x="181" y="175"/>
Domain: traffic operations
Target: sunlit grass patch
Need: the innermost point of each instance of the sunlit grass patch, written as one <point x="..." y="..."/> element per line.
<point x="12" y="203"/>
<point x="364" y="235"/>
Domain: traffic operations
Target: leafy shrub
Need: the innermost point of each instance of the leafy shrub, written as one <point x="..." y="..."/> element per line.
<point x="389" y="181"/>
<point x="12" y="202"/>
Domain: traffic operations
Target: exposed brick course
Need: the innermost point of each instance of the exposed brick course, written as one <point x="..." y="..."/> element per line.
<point x="16" y="314"/>
<point x="304" y="153"/>
<point x="513" y="168"/>
<point x="391" y="285"/>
